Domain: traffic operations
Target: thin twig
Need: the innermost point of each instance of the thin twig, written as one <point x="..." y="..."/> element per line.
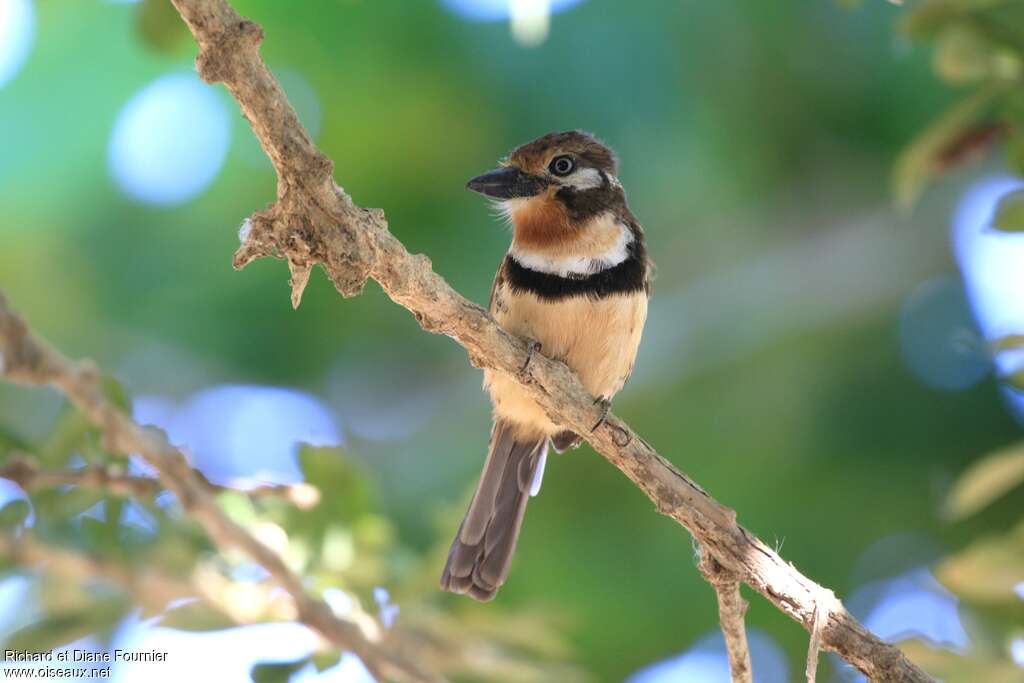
<point x="25" y="471"/>
<point x="27" y="359"/>
<point x="314" y="221"/>
<point x="430" y="637"/>
<point x="151" y="588"/>
<point x="827" y="602"/>
<point x="731" y="611"/>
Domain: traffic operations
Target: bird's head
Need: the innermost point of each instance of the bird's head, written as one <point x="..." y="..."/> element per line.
<point x="552" y="187"/>
<point x="572" y="161"/>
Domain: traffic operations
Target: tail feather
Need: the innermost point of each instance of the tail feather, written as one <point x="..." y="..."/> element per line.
<point x="481" y="553"/>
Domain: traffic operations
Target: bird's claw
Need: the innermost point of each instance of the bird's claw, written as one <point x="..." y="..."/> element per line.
<point x="606" y="407"/>
<point x="532" y="347"/>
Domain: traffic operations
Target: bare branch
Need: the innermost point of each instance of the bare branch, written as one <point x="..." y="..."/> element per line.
<point x="151" y="588"/>
<point x="731" y="610"/>
<point x="827" y="602"/>
<point x="25" y="471"/>
<point x="315" y="221"/>
<point x="154" y="590"/>
<point x="433" y="639"/>
<point x="26" y="359"/>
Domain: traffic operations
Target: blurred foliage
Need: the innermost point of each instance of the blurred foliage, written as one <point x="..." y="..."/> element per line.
<point x="986" y="480"/>
<point x="344" y="543"/>
<point x="747" y="165"/>
<point x="988" y="574"/>
<point x="1012" y="343"/>
<point x="979" y="47"/>
<point x="1009" y="215"/>
<point x="160" y="25"/>
<point x="947" y="666"/>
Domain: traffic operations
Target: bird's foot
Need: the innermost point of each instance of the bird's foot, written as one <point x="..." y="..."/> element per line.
<point x="532" y="347"/>
<point x="566" y="439"/>
<point x="606" y="407"/>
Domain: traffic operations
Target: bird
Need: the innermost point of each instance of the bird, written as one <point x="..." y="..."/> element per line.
<point x="575" y="283"/>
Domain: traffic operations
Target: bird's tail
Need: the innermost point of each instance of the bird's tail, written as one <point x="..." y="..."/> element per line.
<point x="481" y="553"/>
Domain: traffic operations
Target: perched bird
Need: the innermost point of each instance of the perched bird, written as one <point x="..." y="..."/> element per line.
<point x="575" y="281"/>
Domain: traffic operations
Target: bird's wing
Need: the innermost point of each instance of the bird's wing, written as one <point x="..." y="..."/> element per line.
<point x="499" y="280"/>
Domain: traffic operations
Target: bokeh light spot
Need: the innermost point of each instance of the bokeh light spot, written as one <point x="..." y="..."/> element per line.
<point x="10" y="492"/>
<point x="911" y="605"/>
<point x="241" y="433"/>
<point x="991" y="265"/>
<point x="1017" y="651"/>
<point x="169" y="141"/>
<point x="939" y="339"/>
<point x="707" y="662"/>
<point x="17" y="30"/>
<point x="17" y="607"/>
<point x="530" y="20"/>
<point x="498" y="10"/>
<point x="990" y="260"/>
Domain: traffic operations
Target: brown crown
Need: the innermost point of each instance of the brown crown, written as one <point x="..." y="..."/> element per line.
<point x="534" y="156"/>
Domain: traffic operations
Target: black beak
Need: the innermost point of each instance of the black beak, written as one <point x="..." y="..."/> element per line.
<point x="507" y="183"/>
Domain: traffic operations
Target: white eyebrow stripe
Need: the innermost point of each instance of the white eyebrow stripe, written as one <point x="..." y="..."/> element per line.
<point x="576" y="266"/>
<point x="585" y="179"/>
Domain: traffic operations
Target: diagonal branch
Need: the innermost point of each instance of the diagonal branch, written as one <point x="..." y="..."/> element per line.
<point x="150" y="588"/>
<point x="25" y="471"/>
<point x="315" y="221"/>
<point x="27" y="359"/>
<point x="158" y="592"/>
<point x="731" y="610"/>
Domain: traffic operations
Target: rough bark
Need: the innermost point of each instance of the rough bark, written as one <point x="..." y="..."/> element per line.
<point x="731" y="610"/>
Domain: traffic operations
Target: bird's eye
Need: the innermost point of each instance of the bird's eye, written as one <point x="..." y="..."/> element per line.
<point x="562" y="165"/>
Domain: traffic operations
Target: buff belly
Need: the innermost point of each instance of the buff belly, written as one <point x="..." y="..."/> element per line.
<point x="597" y="338"/>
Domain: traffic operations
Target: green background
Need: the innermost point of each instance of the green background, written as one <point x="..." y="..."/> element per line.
<point x="756" y="143"/>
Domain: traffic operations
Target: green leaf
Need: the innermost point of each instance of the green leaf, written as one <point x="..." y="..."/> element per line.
<point x="57" y="504"/>
<point x="325" y="660"/>
<point x="14" y="513"/>
<point x="1015" y="153"/>
<point x="982" y="665"/>
<point x="986" y="480"/>
<point x="1015" y="379"/>
<point x="344" y="484"/>
<point x="926" y="156"/>
<point x="276" y="672"/>
<point x="59" y="629"/>
<point x="51" y="632"/>
<point x="1008" y="343"/>
<point x="926" y="19"/>
<point x="963" y="56"/>
<point x="196" y="617"/>
<point x="1009" y="215"/>
<point x="9" y="441"/>
<point x="113" y="389"/>
<point x="68" y="435"/>
<point x="238" y="506"/>
<point x="987" y="570"/>
<point x="101" y="535"/>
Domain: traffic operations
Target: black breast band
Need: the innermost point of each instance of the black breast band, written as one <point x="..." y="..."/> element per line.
<point x="628" y="276"/>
